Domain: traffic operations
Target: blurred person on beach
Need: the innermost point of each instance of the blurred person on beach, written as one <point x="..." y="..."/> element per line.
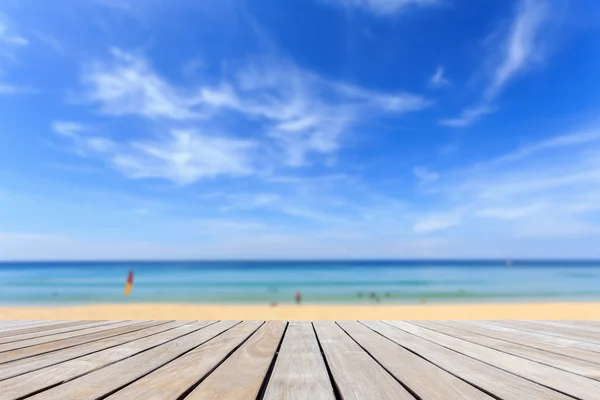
<point x="298" y="297"/>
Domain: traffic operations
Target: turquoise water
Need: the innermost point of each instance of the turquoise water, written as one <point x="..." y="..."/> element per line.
<point x="360" y="282"/>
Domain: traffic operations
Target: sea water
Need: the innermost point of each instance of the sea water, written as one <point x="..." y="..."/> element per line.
<point x="256" y="282"/>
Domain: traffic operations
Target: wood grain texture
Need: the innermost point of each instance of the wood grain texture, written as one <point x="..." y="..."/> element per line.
<point x="572" y="326"/>
<point x="41" y="379"/>
<point x="559" y="361"/>
<point x="356" y="374"/>
<point x="19" y="367"/>
<point x="565" y="332"/>
<point x="425" y="379"/>
<point x="300" y="371"/>
<point x="242" y="374"/>
<point x="566" y="382"/>
<point x="565" y="347"/>
<point x="496" y="381"/>
<point x="36" y="326"/>
<point x="98" y="333"/>
<point x="174" y="379"/>
<point x="63" y="328"/>
<point x="59" y="336"/>
<point x="115" y="376"/>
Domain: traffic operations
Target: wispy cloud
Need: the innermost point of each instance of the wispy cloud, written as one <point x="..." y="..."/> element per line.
<point x="555" y="179"/>
<point x="424" y="175"/>
<point x="184" y="157"/>
<point x="438" y="80"/>
<point x="51" y="41"/>
<point x="437" y="222"/>
<point x="383" y="7"/>
<point x="468" y="116"/>
<point x="520" y="47"/>
<point x="6" y="88"/>
<point x="298" y="112"/>
<point x="8" y="36"/>
<point x="181" y="156"/>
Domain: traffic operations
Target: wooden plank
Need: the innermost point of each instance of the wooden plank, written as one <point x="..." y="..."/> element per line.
<point x="586" y="323"/>
<point x="559" y="341"/>
<point x="242" y="374"/>
<point x="425" y="379"/>
<point x="51" y="338"/>
<point x="105" y="381"/>
<point x="355" y="373"/>
<point x="76" y="326"/>
<point x="559" y="361"/>
<point x="44" y="378"/>
<point x="300" y="372"/>
<point x="174" y="379"/>
<point x="567" y="325"/>
<point x="14" y="368"/>
<point x="498" y="382"/>
<point x="552" y="344"/>
<point x="564" y="332"/>
<point x="103" y="332"/>
<point x="37" y="326"/>
<point x="566" y="382"/>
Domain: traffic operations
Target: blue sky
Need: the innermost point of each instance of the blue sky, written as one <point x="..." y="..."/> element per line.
<point x="299" y="129"/>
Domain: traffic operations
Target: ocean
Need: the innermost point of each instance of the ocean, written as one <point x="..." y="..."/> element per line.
<point x="341" y="282"/>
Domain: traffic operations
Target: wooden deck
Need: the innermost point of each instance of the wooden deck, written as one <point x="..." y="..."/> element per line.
<point x="174" y="360"/>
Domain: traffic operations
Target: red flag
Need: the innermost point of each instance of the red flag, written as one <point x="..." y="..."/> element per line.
<point x="129" y="284"/>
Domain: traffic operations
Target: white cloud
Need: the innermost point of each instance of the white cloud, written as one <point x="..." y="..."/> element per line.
<point x="468" y="116"/>
<point x="556" y="179"/>
<point x="130" y="86"/>
<point x="51" y="41"/>
<point x="181" y="156"/>
<point x="383" y="7"/>
<point x="424" y="175"/>
<point x="7" y="34"/>
<point x="509" y="213"/>
<point x="297" y="111"/>
<point x="184" y="157"/>
<point x="437" y="222"/>
<point x="67" y="128"/>
<point x="438" y="80"/>
<point x="520" y="48"/>
<point x="6" y="88"/>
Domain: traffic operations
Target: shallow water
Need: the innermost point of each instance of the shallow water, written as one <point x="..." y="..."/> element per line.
<point x="361" y="282"/>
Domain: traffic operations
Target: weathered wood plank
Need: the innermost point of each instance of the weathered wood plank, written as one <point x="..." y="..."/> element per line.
<point x="565" y="347"/>
<point x="564" y="332"/>
<point x="356" y="374"/>
<point x="39" y="326"/>
<point x="241" y="375"/>
<point x="559" y="361"/>
<point x="117" y="329"/>
<point x="577" y="326"/>
<point x="6" y="323"/>
<point x="44" y="378"/>
<point x="59" y="336"/>
<point x="174" y="379"/>
<point x="115" y="376"/>
<point x="498" y="382"/>
<point x="14" y="368"/>
<point x="76" y="326"/>
<point x="558" y="340"/>
<point x="425" y="379"/>
<point x="300" y="371"/>
<point x="566" y="382"/>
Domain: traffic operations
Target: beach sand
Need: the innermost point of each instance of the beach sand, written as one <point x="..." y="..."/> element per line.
<point x="572" y="311"/>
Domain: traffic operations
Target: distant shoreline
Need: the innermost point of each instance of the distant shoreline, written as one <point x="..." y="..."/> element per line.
<point x="554" y="311"/>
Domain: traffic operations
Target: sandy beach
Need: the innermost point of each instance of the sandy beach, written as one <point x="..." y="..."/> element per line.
<point x="572" y="311"/>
